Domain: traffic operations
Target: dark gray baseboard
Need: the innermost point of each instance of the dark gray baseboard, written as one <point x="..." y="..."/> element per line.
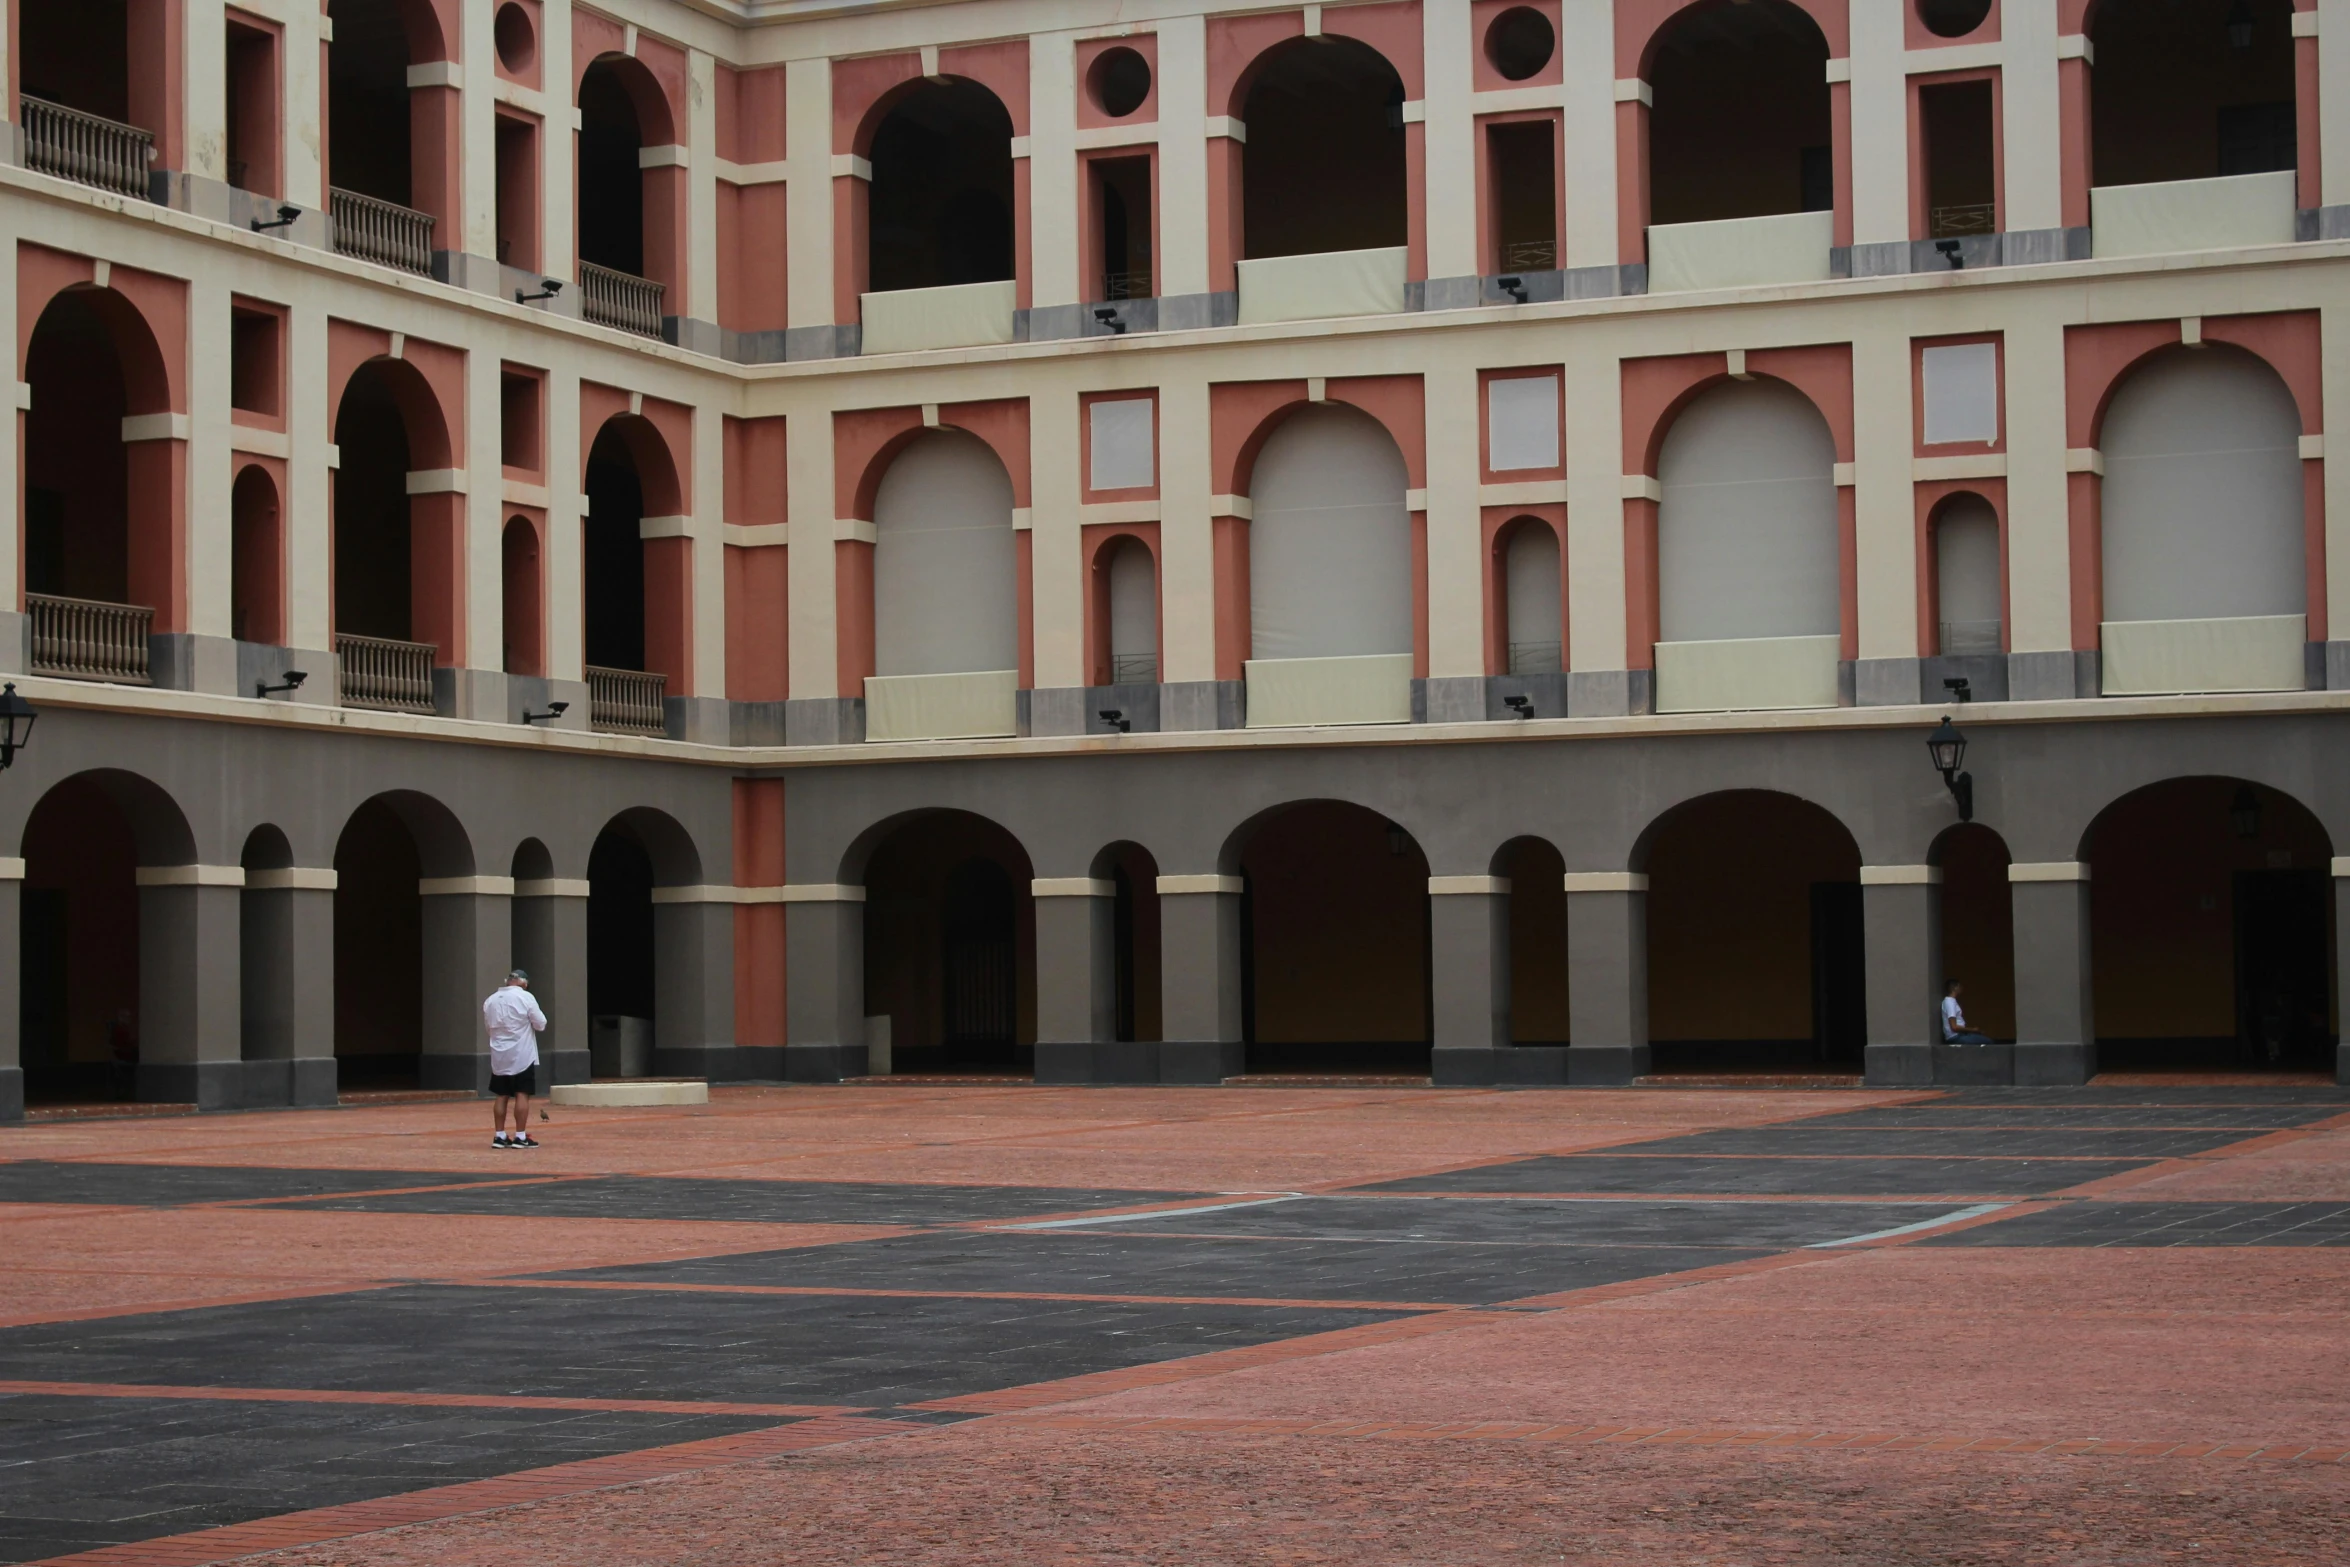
<point x="1898" y="1066"/>
<point x="2054" y="1064"/>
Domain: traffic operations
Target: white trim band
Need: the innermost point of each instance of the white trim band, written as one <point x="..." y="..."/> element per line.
<point x="190" y="876"/>
<point x="1176" y="885"/>
<point x="550" y="887"/>
<point x="1900" y="875"/>
<point x="2048" y="870"/>
<point x="466" y="886"/>
<point x="1071" y="887"/>
<point x="292" y="878"/>
<point x="1462" y="886"/>
<point x="11" y="868"/>
<point x="1606" y="881"/>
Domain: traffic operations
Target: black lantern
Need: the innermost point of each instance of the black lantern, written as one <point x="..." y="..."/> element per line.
<point x="2240" y="26"/>
<point x="1947" y="747"/>
<point x="16" y="724"/>
<point x="2244" y="813"/>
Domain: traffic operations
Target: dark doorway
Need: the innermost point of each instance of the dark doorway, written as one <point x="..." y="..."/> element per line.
<point x="1323" y="166"/>
<point x="620" y="927"/>
<point x="367" y="102"/>
<point x="615" y="563"/>
<point x="2282" y="980"/>
<point x="78" y="1001"/>
<point x="1839" y="976"/>
<point x="941" y="197"/>
<point x="44" y="1026"/>
<point x="372" y="555"/>
<point x="611" y="181"/>
<point x="1522" y="159"/>
<point x="977" y="931"/>
<point x="379" y="951"/>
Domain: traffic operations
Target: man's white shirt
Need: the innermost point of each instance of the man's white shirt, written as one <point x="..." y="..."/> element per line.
<point x="513" y="1018"/>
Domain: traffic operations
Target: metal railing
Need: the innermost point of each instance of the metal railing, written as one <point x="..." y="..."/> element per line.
<point x="1530" y="255"/>
<point x="1534" y="658"/>
<point x="1126" y="285"/>
<point x="87" y="148"/>
<point x="626" y="701"/>
<point x="84" y="639"/>
<point x="1134" y="669"/>
<point x="1970" y="636"/>
<point x="381" y="231"/>
<point x="381" y="673"/>
<point x="617" y="299"/>
<point x="1975" y="218"/>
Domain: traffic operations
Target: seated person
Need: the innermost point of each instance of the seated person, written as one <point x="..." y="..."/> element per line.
<point x="1954" y="1024"/>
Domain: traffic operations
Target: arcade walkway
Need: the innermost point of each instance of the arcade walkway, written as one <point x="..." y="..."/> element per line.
<point x="963" y="1325"/>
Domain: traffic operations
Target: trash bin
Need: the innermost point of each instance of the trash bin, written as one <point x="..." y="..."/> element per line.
<point x="620" y="1046"/>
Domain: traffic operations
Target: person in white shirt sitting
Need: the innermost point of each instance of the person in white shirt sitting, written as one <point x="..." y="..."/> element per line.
<point x="1954" y="1024"/>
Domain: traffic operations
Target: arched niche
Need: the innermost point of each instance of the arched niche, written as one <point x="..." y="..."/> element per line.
<point x="945" y="560"/>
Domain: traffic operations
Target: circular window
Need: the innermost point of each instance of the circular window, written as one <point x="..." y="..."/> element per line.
<point x="516" y="39"/>
<point x="1520" y="42"/>
<point x="1953" y="18"/>
<point x="1121" y="80"/>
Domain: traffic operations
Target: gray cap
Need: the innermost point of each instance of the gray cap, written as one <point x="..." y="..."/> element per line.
<point x="513" y="974"/>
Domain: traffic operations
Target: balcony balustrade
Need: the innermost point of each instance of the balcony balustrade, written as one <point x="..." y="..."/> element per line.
<point x="620" y="301"/>
<point x="86" y="148"/>
<point x="626" y="702"/>
<point x="380" y="673"/>
<point x="84" y="639"/>
<point x="383" y="232"/>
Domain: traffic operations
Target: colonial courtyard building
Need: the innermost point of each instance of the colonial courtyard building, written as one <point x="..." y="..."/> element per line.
<point x="1143" y="543"/>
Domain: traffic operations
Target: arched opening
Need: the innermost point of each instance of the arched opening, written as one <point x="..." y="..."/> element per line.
<point x="1532" y="598"/>
<point x="611" y="176"/>
<point x="2201" y="521"/>
<point x="2191" y="89"/>
<point x="1134" y="939"/>
<point x="1323" y="168"/>
<point x="1334" y="942"/>
<point x="1755" y="958"/>
<point x="1127" y="609"/>
<point x="1749" y="568"/>
<point x="395" y="582"/>
<point x="368" y="112"/>
<point x="941" y="199"/>
<point x="379" y="950"/>
<point x="77" y="56"/>
<point x="265" y="948"/>
<point x="1537" y="875"/>
<point x="1741" y="124"/>
<point x="93" y="90"/>
<point x="2211" y="930"/>
<point x="613" y="564"/>
<point x="392" y="133"/>
<point x="1977" y="917"/>
<point x="521" y="583"/>
<point x="256" y="560"/>
<point x="1969" y="577"/>
<point x="950" y="946"/>
<point x="78" y="999"/>
<point x="1330" y="544"/>
<point x="531" y="929"/>
<point x="945" y="560"/>
<point x="623" y="974"/>
<point x="77" y="466"/>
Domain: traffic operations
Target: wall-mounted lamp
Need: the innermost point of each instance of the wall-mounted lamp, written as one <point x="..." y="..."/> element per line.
<point x="554" y="710"/>
<point x="1948" y="250"/>
<point x="1519" y="706"/>
<point x="1515" y="287"/>
<point x="1958" y="688"/>
<point x="2244" y="812"/>
<point x="287" y="216"/>
<point x="1116" y="718"/>
<point x="1107" y="315"/>
<point x="548" y="289"/>
<point x="2240" y="26"/>
<point x="16" y="724"/>
<point x="292" y="682"/>
<point x="1948" y="749"/>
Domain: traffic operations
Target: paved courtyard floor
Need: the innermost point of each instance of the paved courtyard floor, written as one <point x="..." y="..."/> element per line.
<point x="949" y="1324"/>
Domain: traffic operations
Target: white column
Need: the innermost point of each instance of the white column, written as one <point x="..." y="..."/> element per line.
<point x="1053" y="242"/>
<point x="485" y="514"/>
<point x="210" y="551"/>
<point x="302" y="142"/>
<point x="310" y="479"/>
<point x="558" y="154"/>
<point x="1880" y="126"/>
<point x="1056" y="546"/>
<point x="13" y="408"/>
<point x="701" y="199"/>
<point x="807" y="101"/>
<point x="478" y="129"/>
<point x="204" y="59"/>
<point x="1456" y="588"/>
<point x="565" y="622"/>
<point x="1883" y="505"/>
<point x="1451" y="132"/>
<point x="2334" y="334"/>
<point x="1587" y="44"/>
<point x="1187" y="562"/>
<point x="1595" y="506"/>
<point x="709" y="535"/>
<point x="2032" y="142"/>
<point x="2039" y="543"/>
<point x="2333" y="105"/>
<point x="1183" y="184"/>
<point x="814" y="624"/>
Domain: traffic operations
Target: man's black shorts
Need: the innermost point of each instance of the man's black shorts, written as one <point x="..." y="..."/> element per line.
<point x="507" y="1084"/>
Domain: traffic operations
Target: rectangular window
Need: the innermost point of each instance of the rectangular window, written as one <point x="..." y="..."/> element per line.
<point x="1522" y="179"/>
<point x="518" y="420"/>
<point x="1120" y="448"/>
<point x="1961" y="194"/>
<point x="518" y="192"/>
<point x="1962" y="393"/>
<point x="1522" y="423"/>
<point x="254" y="362"/>
<point x="252" y="104"/>
<point x="1122" y="219"/>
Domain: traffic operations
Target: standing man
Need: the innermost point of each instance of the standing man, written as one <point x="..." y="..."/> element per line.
<point x="514" y="1020"/>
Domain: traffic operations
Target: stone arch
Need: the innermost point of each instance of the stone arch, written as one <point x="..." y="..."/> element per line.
<point x="1743" y="122"/>
<point x="1528" y="565"/>
<point x="1325" y="166"/>
<point x="626" y="210"/>
<point x="1976" y="914"/>
<point x="1966" y="537"/>
<point x="256" y="557"/>
<point x="946" y="566"/>
<point x="943" y="203"/>
<point x="1299" y="606"/>
<point x="1537" y="951"/>
<point x="949" y="941"/>
<point x="1135" y="938"/>
<point x="637" y="589"/>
